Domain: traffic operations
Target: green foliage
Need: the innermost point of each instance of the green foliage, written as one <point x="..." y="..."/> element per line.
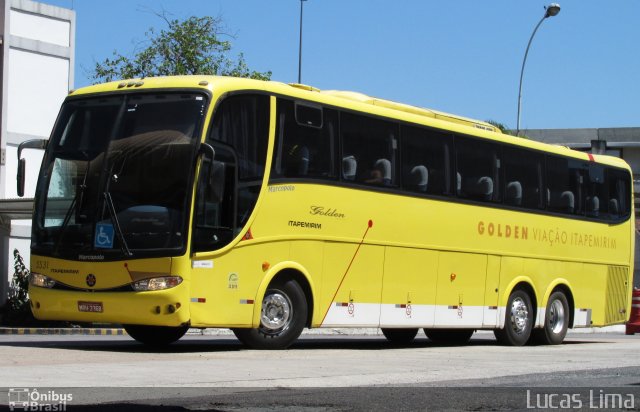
<point x="17" y="310"/>
<point x="499" y="125"/>
<point x="504" y="129"/>
<point x="191" y="46"/>
<point x="18" y="290"/>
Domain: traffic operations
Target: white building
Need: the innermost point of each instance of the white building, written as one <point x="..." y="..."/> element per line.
<point x="37" y="58"/>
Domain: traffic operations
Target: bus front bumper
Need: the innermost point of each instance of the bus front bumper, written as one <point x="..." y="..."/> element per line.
<point x="158" y="308"/>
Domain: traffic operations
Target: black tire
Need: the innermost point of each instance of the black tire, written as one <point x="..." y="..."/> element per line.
<point x="449" y="336"/>
<point x="399" y="336"/>
<point x="556" y="321"/>
<point x="283" y="316"/>
<point x="156" y="335"/>
<point x="518" y="321"/>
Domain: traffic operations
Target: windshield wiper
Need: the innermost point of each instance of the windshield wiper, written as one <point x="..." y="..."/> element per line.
<point x="116" y="224"/>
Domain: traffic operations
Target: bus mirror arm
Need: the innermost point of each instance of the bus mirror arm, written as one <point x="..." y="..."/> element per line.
<point x="22" y="163"/>
<point x="207" y="151"/>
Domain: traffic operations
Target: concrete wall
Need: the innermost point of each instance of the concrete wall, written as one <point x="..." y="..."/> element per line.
<point x="632" y="156"/>
<point x="37" y="49"/>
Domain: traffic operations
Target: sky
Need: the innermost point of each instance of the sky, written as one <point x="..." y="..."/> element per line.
<point x="458" y="56"/>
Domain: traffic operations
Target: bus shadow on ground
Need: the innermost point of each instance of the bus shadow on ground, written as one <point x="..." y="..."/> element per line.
<point x="194" y="344"/>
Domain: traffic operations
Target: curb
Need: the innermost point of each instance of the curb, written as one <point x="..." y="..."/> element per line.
<point x="62" y="331"/>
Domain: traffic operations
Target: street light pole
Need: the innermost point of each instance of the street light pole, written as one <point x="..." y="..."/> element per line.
<point x="552" y="10"/>
<point x="300" y="45"/>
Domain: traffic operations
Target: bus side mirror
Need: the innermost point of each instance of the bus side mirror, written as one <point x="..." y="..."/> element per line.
<point x="22" y="163"/>
<point x="213" y="175"/>
<point x="21" y="169"/>
<point x="215" y="182"/>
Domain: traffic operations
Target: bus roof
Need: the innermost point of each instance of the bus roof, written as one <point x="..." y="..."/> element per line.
<point x="363" y="98"/>
<point x="347" y="99"/>
<point x="204" y="81"/>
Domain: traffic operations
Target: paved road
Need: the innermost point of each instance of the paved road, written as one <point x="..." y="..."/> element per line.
<point x="320" y="372"/>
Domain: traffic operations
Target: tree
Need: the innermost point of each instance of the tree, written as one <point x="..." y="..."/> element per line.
<point x="192" y="46"/>
<point x="504" y="129"/>
<point x="17" y="310"/>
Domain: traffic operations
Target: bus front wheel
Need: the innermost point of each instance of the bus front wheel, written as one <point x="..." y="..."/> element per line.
<point x="556" y="321"/>
<point x="283" y="316"/>
<point x="156" y="335"/>
<point x="518" y="320"/>
<point x="399" y="336"/>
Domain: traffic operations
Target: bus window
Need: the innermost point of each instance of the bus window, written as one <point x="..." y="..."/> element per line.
<point x="242" y="122"/>
<point x="368" y="150"/>
<point x="522" y="177"/>
<point x="309" y="115"/>
<point x="304" y="141"/>
<point x="619" y="203"/>
<point x="595" y="196"/>
<point x="565" y="179"/>
<point x="425" y="160"/>
<point x="478" y="170"/>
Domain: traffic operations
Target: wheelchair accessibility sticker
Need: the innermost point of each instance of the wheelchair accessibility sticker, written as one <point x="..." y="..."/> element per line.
<point x="104" y="236"/>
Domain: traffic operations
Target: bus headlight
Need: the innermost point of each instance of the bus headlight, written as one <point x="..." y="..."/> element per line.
<point x="41" y="281"/>
<point x="161" y="283"/>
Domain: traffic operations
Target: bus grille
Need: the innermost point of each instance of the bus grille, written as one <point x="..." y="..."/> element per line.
<point x="616" y="298"/>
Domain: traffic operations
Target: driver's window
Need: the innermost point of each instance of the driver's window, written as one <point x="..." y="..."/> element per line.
<point x="228" y="187"/>
<point x="215" y="202"/>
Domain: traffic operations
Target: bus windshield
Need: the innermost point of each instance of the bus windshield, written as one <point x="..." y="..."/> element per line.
<point x="115" y="180"/>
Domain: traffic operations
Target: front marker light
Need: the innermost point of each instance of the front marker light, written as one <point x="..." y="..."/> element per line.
<point x="41" y="281"/>
<point x="161" y="283"/>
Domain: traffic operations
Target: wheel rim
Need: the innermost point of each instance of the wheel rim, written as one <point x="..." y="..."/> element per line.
<point x="276" y="312"/>
<point x="557" y="316"/>
<point x="519" y="315"/>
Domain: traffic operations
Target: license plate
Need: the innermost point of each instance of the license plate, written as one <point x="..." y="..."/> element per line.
<point x="90" y="306"/>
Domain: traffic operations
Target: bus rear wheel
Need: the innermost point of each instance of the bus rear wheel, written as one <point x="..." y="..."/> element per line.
<point x="156" y="335"/>
<point x="556" y="321"/>
<point x="449" y="336"/>
<point x="518" y="321"/>
<point x="283" y="316"/>
<point x="399" y="336"/>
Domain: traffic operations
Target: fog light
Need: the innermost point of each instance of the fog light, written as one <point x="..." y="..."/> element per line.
<point x="41" y="281"/>
<point x="161" y="283"/>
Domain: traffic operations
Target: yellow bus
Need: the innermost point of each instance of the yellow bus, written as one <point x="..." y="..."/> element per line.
<point x="216" y="202"/>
